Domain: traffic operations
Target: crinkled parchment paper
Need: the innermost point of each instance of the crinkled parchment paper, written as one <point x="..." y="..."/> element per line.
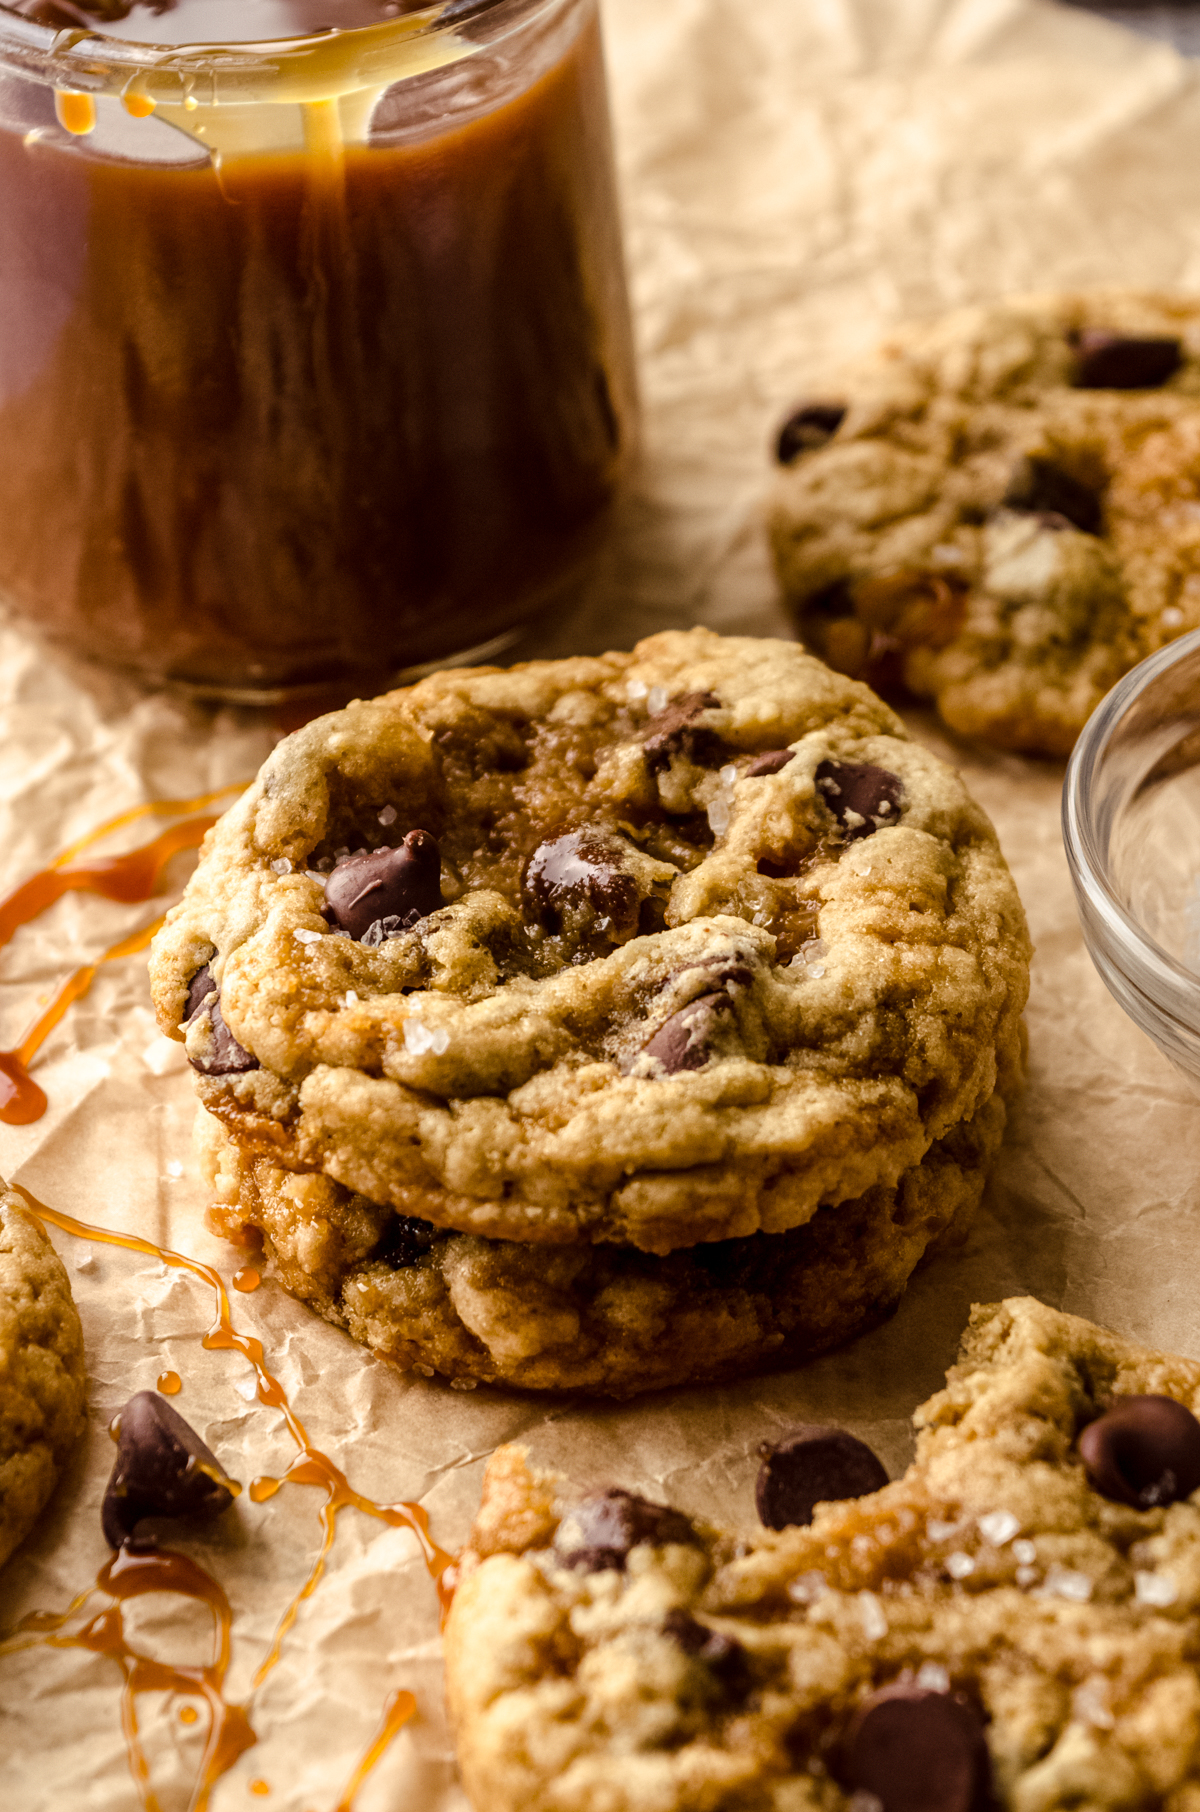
<point x="798" y="175"/>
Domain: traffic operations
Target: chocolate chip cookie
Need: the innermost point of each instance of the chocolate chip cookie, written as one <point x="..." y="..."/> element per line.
<point x="1001" y="510"/>
<point x="599" y="1318"/>
<point x="1015" y="1622"/>
<point x="43" y="1383"/>
<point x="653" y="949"/>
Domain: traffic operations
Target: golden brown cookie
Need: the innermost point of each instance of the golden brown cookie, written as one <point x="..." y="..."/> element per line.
<point x="43" y="1380"/>
<point x="1000" y="510"/>
<point x="1015" y="1622"/>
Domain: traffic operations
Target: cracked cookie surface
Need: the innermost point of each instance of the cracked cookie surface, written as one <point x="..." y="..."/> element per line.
<point x="718" y="944"/>
<point x="598" y="1318"/>
<point x="604" y="1652"/>
<point x="1000" y="510"/>
<point x="43" y="1380"/>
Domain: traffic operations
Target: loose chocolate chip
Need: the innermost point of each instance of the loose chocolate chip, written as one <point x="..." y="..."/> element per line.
<point x="405" y="1240"/>
<point x="809" y="426"/>
<point x="1042" y="488"/>
<point x="581" y="869"/>
<point x="770" y="763"/>
<point x="163" y="1468"/>
<point x="403" y="883"/>
<point x="814" y="1465"/>
<point x="919" y="1751"/>
<point x="226" y="1057"/>
<point x="862" y="798"/>
<point x="1118" y="361"/>
<point x="1145" y="1451"/>
<point x="684" y="1042"/>
<point x="676" y="732"/>
<point x="600" y="1531"/>
<point x="725" y="1657"/>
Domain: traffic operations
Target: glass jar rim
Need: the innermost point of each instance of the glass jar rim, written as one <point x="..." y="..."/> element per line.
<point x="319" y="67"/>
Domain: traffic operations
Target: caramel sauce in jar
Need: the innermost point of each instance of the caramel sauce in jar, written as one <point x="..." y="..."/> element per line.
<point x="315" y="359"/>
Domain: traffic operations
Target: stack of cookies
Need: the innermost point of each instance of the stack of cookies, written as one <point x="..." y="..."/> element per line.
<point x="601" y="1024"/>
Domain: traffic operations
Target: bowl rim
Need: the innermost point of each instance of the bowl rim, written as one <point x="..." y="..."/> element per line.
<point x="1156" y="972"/>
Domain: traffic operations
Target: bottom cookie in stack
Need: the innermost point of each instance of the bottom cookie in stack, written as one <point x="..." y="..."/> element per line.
<point x="600" y="1318"/>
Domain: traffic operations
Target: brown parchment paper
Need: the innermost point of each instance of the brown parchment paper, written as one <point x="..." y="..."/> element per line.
<point x="798" y="174"/>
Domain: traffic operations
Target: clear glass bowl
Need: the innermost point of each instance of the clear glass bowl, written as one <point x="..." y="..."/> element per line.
<point x="1131" y="826"/>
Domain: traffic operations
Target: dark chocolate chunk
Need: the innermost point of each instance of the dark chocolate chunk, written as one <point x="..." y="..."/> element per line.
<point x="1044" y="489"/>
<point x="725" y="1657"/>
<point x="581" y="870"/>
<point x="405" y="1239"/>
<point x="227" y="1057"/>
<point x="675" y="732"/>
<point x="601" y="1530"/>
<point x="163" y="1468"/>
<point x="809" y="426"/>
<point x="1145" y="1451"/>
<point x="770" y="763"/>
<point x="919" y="1751"/>
<point x="814" y="1465"/>
<point x="403" y="883"/>
<point x="862" y="798"/>
<point x="684" y="1042"/>
<point x="1118" y="361"/>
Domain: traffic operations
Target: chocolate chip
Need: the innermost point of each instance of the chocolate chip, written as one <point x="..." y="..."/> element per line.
<point x="1042" y="488"/>
<point x="225" y="1057"/>
<point x="405" y="1240"/>
<point x="676" y="732"/>
<point x="163" y="1468"/>
<point x="580" y="872"/>
<point x="403" y="883"/>
<point x="1145" y="1451"/>
<point x="919" y="1751"/>
<point x="814" y="1465"/>
<point x="809" y="426"/>
<point x="684" y="1042"/>
<point x="770" y="763"/>
<point x="600" y="1531"/>
<point x="1118" y="361"/>
<point x="725" y="1657"/>
<point x="862" y="798"/>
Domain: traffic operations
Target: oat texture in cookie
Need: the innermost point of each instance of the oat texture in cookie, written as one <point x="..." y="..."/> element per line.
<point x="1000" y="511"/>
<point x="599" y="1318"/>
<point x="43" y="1383"/>
<point x="1015" y="1622"/>
<point x="651" y="949"/>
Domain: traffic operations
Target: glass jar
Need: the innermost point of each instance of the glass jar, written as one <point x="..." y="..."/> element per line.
<point x="315" y="356"/>
<point x="1131" y="827"/>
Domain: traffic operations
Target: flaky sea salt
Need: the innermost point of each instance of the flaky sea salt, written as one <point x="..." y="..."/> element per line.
<point x="246" y="1388"/>
<point x="387" y="815"/>
<point x="174" y="1169"/>
<point x="806" y="1588"/>
<point x="999" y="1526"/>
<point x="281" y="866"/>
<point x="937" y="1530"/>
<point x="1024" y="1552"/>
<point x="932" y="1676"/>
<point x="871" y="1614"/>
<point x="720" y="815"/>
<point x="350" y="998"/>
<point x="420" y="1038"/>
<point x="729" y="773"/>
<point x="1155" y="1590"/>
<point x="1065" y="1582"/>
<point x="306" y="937"/>
<point x="85" y="1263"/>
<point x="636" y="690"/>
<point x="959" y="1565"/>
<point x="656" y="700"/>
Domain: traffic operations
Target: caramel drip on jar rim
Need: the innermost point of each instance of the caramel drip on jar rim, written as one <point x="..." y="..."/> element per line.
<point x="129" y="879"/>
<point x="230" y="1732"/>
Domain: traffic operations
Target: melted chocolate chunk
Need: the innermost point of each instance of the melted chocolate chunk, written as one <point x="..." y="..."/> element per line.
<point x="676" y="732"/>
<point x="770" y="763"/>
<point x="1145" y="1451"/>
<point x="1118" y="361"/>
<point x="581" y="871"/>
<point x="381" y="884"/>
<point x="919" y="1751"/>
<point x="814" y="1465"/>
<point x="809" y="426"/>
<point x="227" y="1057"/>
<point x="722" y="1655"/>
<point x="685" y="1041"/>
<point x="862" y="798"/>
<point x="405" y="1240"/>
<point x="600" y="1532"/>
<point x="163" y="1468"/>
<point x="1044" y="489"/>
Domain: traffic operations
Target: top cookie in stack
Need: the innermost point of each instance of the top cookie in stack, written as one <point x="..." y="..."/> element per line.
<point x="1000" y="510"/>
<point x="601" y="1023"/>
